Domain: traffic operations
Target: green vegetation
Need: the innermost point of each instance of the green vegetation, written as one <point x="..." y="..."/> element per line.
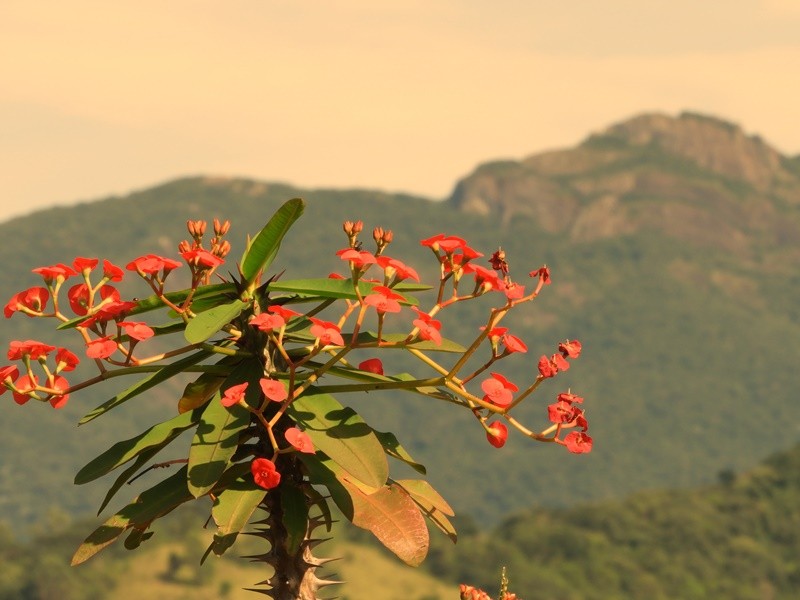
<point x="736" y="540"/>
<point x="684" y="347"/>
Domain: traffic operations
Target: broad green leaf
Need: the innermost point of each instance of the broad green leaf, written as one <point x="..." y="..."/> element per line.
<point x="264" y="247"/>
<point x="223" y="290"/>
<point x="214" y="443"/>
<point x="148" y="506"/>
<point x="421" y="490"/>
<point x="206" y="324"/>
<point x="142" y="459"/>
<point x="136" y="537"/>
<point x="145" y="384"/>
<point x="330" y="288"/>
<point x="394" y="518"/>
<point x="433" y="506"/>
<point x="232" y="509"/>
<point x="295" y="516"/>
<point x="392" y="447"/>
<point x="343" y="435"/>
<point x="157" y="436"/>
<point x="197" y="393"/>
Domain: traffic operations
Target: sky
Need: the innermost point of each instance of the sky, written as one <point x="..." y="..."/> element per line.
<point x="101" y="98"/>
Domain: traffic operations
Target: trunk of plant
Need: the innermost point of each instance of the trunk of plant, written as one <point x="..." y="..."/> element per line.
<point x="296" y="570"/>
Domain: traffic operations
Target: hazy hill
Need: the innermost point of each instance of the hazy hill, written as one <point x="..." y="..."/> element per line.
<point x="680" y="281"/>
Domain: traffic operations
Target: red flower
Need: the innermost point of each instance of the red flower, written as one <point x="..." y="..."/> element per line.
<point x="498" y="390"/>
<point x="372" y="365"/>
<point x="356" y="258"/>
<point x="567" y="397"/>
<point x="570" y="349"/>
<point x="33" y="299"/>
<point x="542" y="273"/>
<point x="59" y="400"/>
<point x="101" y="347"/>
<point x="7" y="374"/>
<point x="137" y="330"/>
<point x="548" y="367"/>
<point x="286" y="313"/>
<point x="202" y="258"/>
<point x="150" y="264"/>
<point x="299" y="440"/>
<point x="578" y="442"/>
<point x="84" y="264"/>
<point x="428" y="327"/>
<point x="110" y="310"/>
<point x="264" y="473"/>
<point x="384" y="299"/>
<point x="513" y="291"/>
<point x="497" y="434"/>
<point x="34" y="349"/>
<point x="562" y="412"/>
<point x="26" y="385"/>
<point x="395" y="268"/>
<point x="79" y="297"/>
<point x="326" y="332"/>
<point x="112" y="271"/>
<point x="514" y="344"/>
<point x="234" y="394"/>
<point x="66" y="360"/>
<point x="273" y="389"/>
<point x="55" y="272"/>
<point x="267" y="322"/>
<point x="336" y="276"/>
<point x="484" y="278"/>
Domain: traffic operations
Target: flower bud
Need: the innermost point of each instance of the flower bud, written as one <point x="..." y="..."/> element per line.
<point x="221" y="229"/>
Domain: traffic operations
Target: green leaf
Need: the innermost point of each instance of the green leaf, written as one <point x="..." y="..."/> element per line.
<point x="157" y="436"/>
<point x="394" y="518"/>
<point x="145" y="384"/>
<point x="199" y="391"/>
<point x="433" y="506"/>
<point x="392" y="447"/>
<point x="295" y="516"/>
<point x="329" y="288"/>
<point x="143" y="458"/>
<point x="263" y="249"/>
<point x="232" y="509"/>
<point x="214" y="443"/>
<point x="147" y="507"/>
<point x="343" y="435"/>
<point x="207" y="323"/>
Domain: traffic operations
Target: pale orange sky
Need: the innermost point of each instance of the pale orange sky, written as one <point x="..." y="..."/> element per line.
<point x="101" y="97"/>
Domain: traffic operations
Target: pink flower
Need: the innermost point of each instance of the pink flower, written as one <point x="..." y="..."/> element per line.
<point x="202" y="258"/>
<point x="357" y="258"/>
<point x="282" y="311"/>
<point x="26" y="385"/>
<point x="137" y="330"/>
<point x="384" y="299"/>
<point x="267" y="322"/>
<point x="372" y="365"/>
<point x="273" y="389"/>
<point x="33" y="299"/>
<point x="7" y="375"/>
<point x="151" y="264"/>
<point x="428" y="327"/>
<point x="34" y="349"/>
<point x="299" y="440"/>
<point x="112" y="271"/>
<point x="548" y="367"/>
<point x="498" y="390"/>
<point x="326" y="332"/>
<point x="578" y="442"/>
<point x="497" y="434"/>
<point x="55" y="272"/>
<point x="59" y="400"/>
<point x="101" y="347"/>
<point x="234" y="394"/>
<point x="395" y="268"/>
<point x="84" y="265"/>
<point x="66" y="360"/>
<point x="571" y="349"/>
<point x="264" y="473"/>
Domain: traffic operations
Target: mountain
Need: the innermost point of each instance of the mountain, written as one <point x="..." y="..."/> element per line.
<point x="695" y="178"/>
<point x="673" y="244"/>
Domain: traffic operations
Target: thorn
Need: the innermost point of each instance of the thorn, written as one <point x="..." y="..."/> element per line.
<point x="317" y="561"/>
<point x="314" y="542"/>
<point x="327" y="582"/>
